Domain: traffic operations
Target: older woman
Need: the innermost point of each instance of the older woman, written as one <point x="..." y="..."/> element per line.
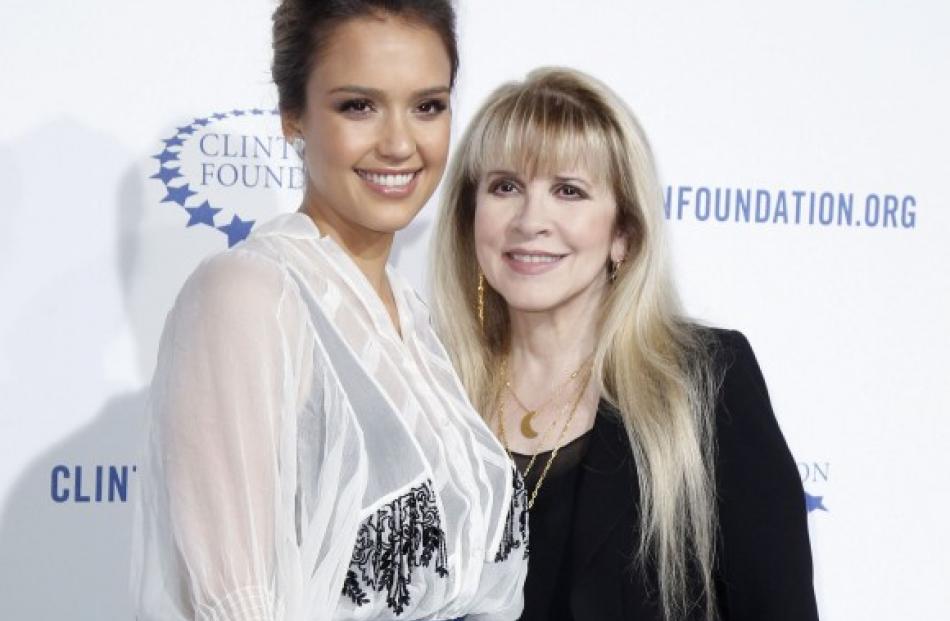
<point x="659" y="483"/>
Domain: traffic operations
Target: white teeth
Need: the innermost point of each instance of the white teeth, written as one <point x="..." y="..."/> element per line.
<point x="389" y="181"/>
<point x="535" y="258"/>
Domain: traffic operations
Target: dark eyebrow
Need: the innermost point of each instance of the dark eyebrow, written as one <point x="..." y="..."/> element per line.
<point x="557" y="179"/>
<point x="504" y="173"/>
<point x="560" y="179"/>
<point x="507" y="173"/>
<point x="375" y="93"/>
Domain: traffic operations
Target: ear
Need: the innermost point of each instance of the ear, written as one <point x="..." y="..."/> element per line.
<point x="619" y="246"/>
<point x="290" y="126"/>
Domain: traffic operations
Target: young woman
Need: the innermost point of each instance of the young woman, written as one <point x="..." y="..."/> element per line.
<point x="659" y="483"/>
<point x="310" y="451"/>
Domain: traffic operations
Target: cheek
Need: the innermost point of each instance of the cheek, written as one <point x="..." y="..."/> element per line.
<point x="488" y="227"/>
<point x="592" y="232"/>
<point x="488" y="231"/>
<point x="433" y="141"/>
<point x="336" y="142"/>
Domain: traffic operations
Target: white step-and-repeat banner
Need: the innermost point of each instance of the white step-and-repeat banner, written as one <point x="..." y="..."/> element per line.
<point x="804" y="150"/>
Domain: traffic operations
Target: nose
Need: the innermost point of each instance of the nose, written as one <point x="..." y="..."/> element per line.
<point x="396" y="142"/>
<point x="532" y="219"/>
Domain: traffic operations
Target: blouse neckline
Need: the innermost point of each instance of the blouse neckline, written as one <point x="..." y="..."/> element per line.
<point x="299" y="225"/>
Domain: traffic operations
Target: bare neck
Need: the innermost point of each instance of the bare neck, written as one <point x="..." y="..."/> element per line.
<point x="547" y="345"/>
<point x="369" y="249"/>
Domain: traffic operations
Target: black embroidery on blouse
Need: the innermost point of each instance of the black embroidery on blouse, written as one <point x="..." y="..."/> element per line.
<point x="512" y="538"/>
<point x="402" y="535"/>
<point x="351" y="588"/>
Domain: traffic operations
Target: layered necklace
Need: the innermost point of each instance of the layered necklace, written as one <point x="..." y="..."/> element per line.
<point x="529" y="432"/>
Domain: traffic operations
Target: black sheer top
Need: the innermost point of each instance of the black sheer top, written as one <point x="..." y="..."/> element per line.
<point x="551" y="521"/>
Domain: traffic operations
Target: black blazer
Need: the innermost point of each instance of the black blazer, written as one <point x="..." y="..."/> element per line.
<point x="764" y="568"/>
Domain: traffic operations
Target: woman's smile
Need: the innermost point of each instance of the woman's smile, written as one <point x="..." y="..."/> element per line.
<point x="532" y="262"/>
<point x="391" y="184"/>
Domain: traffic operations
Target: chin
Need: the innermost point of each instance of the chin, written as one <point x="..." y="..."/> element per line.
<point x="393" y="221"/>
<point x="534" y="303"/>
<point x="390" y="216"/>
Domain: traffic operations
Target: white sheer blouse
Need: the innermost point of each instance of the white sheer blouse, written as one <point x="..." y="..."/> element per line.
<point x="303" y="462"/>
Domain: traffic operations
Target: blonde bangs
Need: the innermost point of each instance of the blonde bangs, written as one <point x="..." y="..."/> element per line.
<point x="539" y="132"/>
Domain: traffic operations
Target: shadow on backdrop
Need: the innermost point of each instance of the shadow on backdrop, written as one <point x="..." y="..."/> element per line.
<point x="69" y="560"/>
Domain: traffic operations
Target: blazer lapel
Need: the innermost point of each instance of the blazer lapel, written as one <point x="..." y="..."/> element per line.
<point x="607" y="486"/>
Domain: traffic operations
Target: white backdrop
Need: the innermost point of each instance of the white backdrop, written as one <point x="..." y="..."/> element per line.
<point x="827" y="121"/>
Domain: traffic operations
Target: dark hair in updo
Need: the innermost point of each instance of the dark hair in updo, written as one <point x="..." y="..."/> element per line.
<point x="302" y="29"/>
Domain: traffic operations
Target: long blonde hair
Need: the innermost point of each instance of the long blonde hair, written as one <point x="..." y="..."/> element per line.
<point x="655" y="367"/>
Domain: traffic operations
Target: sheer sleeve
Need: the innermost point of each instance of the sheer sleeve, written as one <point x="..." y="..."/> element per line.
<point x="217" y="527"/>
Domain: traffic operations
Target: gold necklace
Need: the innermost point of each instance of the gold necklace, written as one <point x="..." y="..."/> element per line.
<point x="538" y="444"/>
<point x="557" y="446"/>
<point x="554" y="419"/>
<point x="529" y="413"/>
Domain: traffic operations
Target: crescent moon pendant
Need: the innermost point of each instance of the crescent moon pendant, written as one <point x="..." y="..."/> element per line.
<point x="526" y="429"/>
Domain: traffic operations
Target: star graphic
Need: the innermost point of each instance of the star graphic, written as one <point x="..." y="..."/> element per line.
<point x="237" y="230"/>
<point x="186" y="129"/>
<point x="178" y="195"/>
<point x="257" y="111"/>
<point x="202" y="214"/>
<point x="173" y="142"/>
<point x="202" y="121"/>
<point x="166" y="174"/>
<point x="814" y="503"/>
<point x="166" y="156"/>
<point x="219" y="115"/>
<point x="238" y="112"/>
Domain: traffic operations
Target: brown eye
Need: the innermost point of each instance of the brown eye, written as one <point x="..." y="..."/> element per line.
<point x="356" y="106"/>
<point x="571" y="192"/>
<point x="432" y="107"/>
<point x="504" y="187"/>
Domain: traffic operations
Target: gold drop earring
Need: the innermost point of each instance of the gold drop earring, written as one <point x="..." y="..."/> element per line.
<point x="481" y="299"/>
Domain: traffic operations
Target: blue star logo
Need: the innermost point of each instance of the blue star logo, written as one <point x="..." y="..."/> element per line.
<point x="178" y="195"/>
<point x="814" y="503"/>
<point x="166" y="156"/>
<point x="237" y="230"/>
<point x="202" y="214"/>
<point x="166" y="174"/>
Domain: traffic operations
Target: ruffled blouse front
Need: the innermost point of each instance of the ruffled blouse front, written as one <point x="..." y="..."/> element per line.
<point x="304" y="462"/>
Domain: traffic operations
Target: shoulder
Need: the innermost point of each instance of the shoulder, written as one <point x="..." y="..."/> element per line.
<point x="735" y="368"/>
<point x="746" y="427"/>
<point x="240" y="281"/>
<point x="742" y="409"/>
<point x="257" y="269"/>
<point x="727" y="348"/>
